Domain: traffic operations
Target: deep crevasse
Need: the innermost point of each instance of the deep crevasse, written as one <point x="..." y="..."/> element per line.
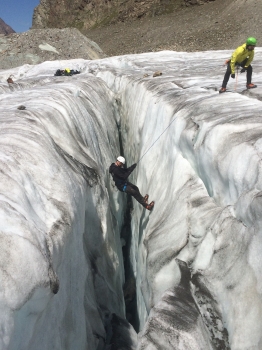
<point x="203" y="174"/>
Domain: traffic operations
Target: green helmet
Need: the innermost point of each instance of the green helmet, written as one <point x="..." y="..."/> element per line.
<point x="251" y="41"/>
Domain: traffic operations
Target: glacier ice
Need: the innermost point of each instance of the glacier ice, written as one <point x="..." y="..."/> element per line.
<point x="57" y="226"/>
<point x="200" y="248"/>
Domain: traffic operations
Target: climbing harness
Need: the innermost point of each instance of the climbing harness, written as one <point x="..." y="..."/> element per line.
<point x="124" y="188"/>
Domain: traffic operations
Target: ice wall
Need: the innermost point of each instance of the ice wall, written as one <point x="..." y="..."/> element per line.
<point x="61" y="260"/>
<point x="204" y="174"/>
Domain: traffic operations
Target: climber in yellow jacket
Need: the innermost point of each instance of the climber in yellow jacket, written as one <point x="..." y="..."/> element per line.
<point x="242" y="57"/>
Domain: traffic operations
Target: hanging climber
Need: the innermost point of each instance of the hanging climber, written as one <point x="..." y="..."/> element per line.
<point x="242" y="57"/>
<point x="120" y="175"/>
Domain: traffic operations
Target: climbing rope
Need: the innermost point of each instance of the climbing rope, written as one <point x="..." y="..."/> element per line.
<point x="156" y="139"/>
<point x="189" y="105"/>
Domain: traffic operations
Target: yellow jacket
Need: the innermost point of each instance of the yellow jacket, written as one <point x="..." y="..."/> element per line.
<point x="239" y="55"/>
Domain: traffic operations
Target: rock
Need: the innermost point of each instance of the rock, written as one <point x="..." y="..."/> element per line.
<point x="5" y="28"/>
<point x="10" y="80"/>
<point x="21" y="108"/>
<point x="39" y="45"/>
<point x="85" y="14"/>
<point x="157" y="74"/>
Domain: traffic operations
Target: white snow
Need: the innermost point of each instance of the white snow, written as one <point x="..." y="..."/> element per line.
<point x="59" y="218"/>
<point x="48" y="47"/>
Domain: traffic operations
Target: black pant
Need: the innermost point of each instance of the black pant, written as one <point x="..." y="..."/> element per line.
<point x="228" y="73"/>
<point x="134" y="191"/>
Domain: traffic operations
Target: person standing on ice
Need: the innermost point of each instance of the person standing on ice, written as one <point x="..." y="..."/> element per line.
<point x="120" y="175"/>
<point x="242" y="57"/>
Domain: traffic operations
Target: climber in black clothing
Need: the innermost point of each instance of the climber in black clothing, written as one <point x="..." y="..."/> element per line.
<point x="120" y="175"/>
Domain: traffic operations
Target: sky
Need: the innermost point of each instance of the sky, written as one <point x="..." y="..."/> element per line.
<point x="18" y="14"/>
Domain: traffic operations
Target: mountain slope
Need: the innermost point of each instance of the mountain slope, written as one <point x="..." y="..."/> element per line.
<point x="5" y="28"/>
<point x="85" y="14"/>
<point x="218" y="25"/>
<point x="39" y="45"/>
<point x="154" y="25"/>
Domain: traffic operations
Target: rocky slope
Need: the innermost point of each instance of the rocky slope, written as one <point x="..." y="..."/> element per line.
<point x="216" y="25"/>
<point x="85" y="14"/>
<point x="213" y="25"/>
<point x="5" y="28"/>
<point x="154" y="25"/>
<point x="39" y="45"/>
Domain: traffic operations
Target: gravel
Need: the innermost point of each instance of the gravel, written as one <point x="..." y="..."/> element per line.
<point x="216" y="25"/>
<point x="39" y="45"/>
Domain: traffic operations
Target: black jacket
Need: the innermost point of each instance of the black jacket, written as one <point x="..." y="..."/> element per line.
<point x="120" y="175"/>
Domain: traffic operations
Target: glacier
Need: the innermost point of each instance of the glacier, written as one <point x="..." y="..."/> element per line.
<point x="196" y="258"/>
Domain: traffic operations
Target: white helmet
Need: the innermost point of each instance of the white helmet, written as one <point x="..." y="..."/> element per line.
<point x="121" y="159"/>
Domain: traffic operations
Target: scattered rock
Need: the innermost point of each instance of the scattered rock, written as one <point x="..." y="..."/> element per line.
<point x="157" y="74"/>
<point x="10" y="80"/>
<point x="21" y="108"/>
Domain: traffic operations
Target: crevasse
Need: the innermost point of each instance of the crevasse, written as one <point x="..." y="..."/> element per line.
<point x="196" y="258"/>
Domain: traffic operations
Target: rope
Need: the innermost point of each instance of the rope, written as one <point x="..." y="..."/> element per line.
<point x="189" y="105"/>
<point x="236" y="78"/>
<point x="156" y="139"/>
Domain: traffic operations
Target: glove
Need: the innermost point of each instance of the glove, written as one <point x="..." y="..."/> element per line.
<point x="233" y="76"/>
<point x="243" y="70"/>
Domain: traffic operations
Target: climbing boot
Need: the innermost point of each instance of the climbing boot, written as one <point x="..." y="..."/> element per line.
<point x="251" y="86"/>
<point x="222" y="90"/>
<point x="150" y="206"/>
<point x="146" y="198"/>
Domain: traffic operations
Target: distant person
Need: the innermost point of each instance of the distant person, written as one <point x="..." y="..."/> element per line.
<point x="242" y="57"/>
<point x="120" y="175"/>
